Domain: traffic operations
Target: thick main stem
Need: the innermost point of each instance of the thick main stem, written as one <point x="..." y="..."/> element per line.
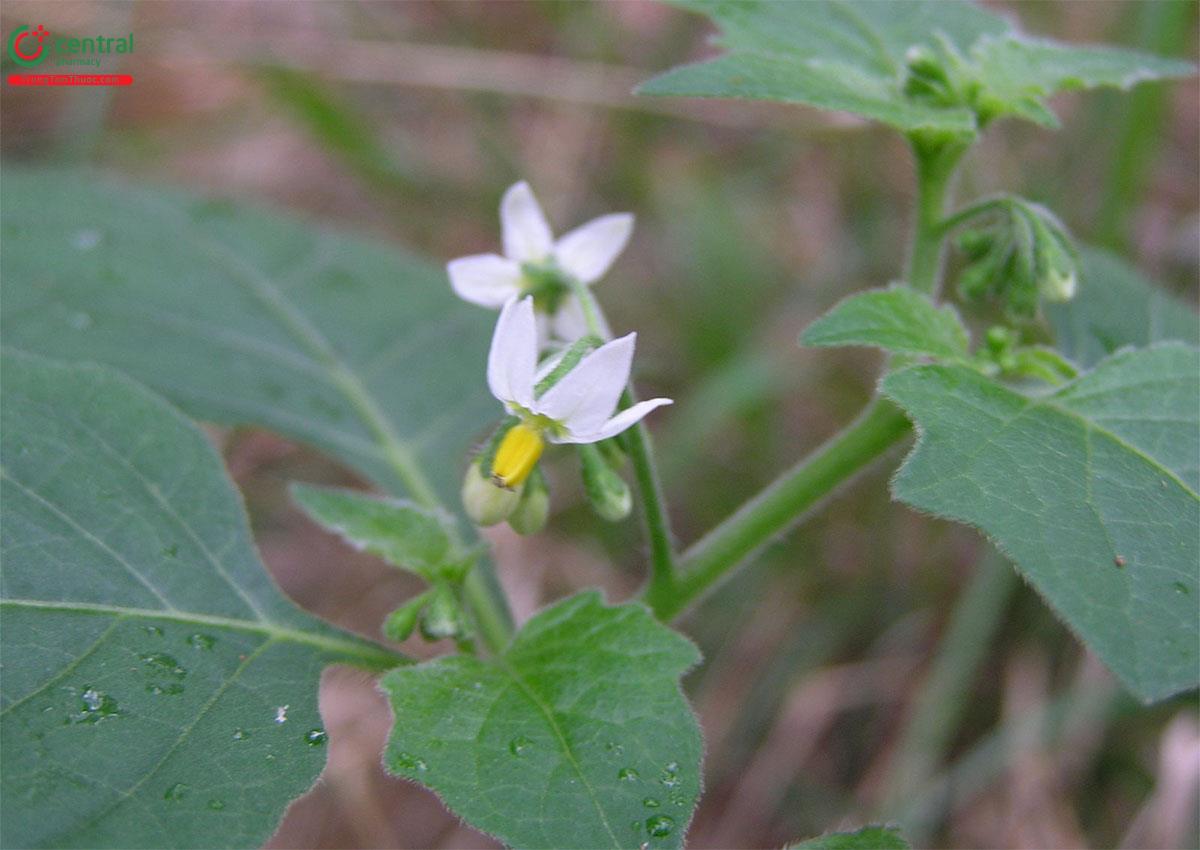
<point x="935" y="162"/>
<point x="780" y="506"/>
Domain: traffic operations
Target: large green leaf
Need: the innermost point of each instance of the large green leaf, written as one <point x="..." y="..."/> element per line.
<point x="159" y="691"/>
<point x="867" y="838"/>
<point x="240" y="316"/>
<point x="856" y="56"/>
<point x="899" y="320"/>
<point x="578" y="736"/>
<point x="1091" y="491"/>
<point x="1117" y="307"/>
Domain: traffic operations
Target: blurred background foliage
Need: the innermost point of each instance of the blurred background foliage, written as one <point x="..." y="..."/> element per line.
<point x="874" y="665"/>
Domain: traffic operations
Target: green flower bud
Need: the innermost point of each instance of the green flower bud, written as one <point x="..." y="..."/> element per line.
<point x="533" y="509"/>
<point x="486" y="502"/>
<point x="401" y="622"/>
<point x="442" y="617"/>
<point x="606" y="490"/>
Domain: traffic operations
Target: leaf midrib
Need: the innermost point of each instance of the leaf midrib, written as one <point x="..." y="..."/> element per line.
<point x="565" y="746"/>
<point x="373" y="658"/>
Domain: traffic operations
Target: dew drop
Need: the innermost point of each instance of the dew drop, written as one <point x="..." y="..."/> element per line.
<point x="86" y="240"/>
<point x="316" y="737"/>
<point x="160" y="662"/>
<point x="97" y="706"/>
<point x="651" y="803"/>
<point x="201" y="641"/>
<point x="240" y="734"/>
<point x="519" y="744"/>
<point x="79" y="320"/>
<point x="660" y="826"/>
<point x="670" y="775"/>
<point x="613" y="748"/>
<point x="169" y="689"/>
<point x="627" y="774"/>
<point x="176" y="792"/>
<point x="1181" y="588"/>
<point x="153" y="631"/>
<point x="171" y="551"/>
<point x="216" y="805"/>
<point x="407" y="761"/>
<point x="281" y="714"/>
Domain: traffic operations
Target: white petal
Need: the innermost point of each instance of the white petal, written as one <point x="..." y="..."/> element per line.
<point x="488" y="280"/>
<point x="512" y="359"/>
<point x="588" y="394"/>
<point x="547" y="365"/>
<point x="527" y="236"/>
<point x="588" y="250"/>
<point x="569" y="323"/>
<point x="624" y="419"/>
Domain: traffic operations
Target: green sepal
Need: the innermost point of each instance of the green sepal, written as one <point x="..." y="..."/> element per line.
<point x="569" y="360"/>
<point x="442" y="617"/>
<point x="401" y="622"/>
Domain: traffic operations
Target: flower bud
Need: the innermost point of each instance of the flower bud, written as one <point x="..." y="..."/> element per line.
<point x="401" y="622"/>
<point x="486" y="502"/>
<point x="533" y="509"/>
<point x="442" y="617"/>
<point x="606" y="490"/>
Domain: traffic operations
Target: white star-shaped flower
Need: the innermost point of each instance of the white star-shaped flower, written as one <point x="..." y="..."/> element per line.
<point x="534" y="263"/>
<point x="578" y="408"/>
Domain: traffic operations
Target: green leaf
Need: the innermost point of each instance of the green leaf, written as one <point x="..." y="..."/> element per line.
<point x="867" y="838"/>
<point x="240" y="316"/>
<point x="403" y="534"/>
<point x="159" y="691"/>
<point x="899" y="320"/>
<point x="578" y="736"/>
<point x="1091" y="491"/>
<point x="846" y="55"/>
<point x="918" y="65"/>
<point x="1117" y="307"/>
<point x="1020" y="69"/>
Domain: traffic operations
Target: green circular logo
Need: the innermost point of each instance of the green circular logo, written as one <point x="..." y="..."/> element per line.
<point x="27" y="47"/>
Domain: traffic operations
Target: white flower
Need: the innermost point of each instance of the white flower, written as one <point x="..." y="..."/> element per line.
<point x="579" y="408"/>
<point x="534" y="263"/>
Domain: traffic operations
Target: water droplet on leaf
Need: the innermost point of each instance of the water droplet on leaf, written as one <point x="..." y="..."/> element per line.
<point x="407" y="761"/>
<point x="86" y="240"/>
<point x="627" y="774"/>
<point x="171" y="551"/>
<point x="240" y="734"/>
<point x="200" y="641"/>
<point x="97" y="706"/>
<point x="160" y="662"/>
<point x="281" y="714"/>
<point x="154" y="631"/>
<point x="1180" y="588"/>
<point x="79" y="320"/>
<point x="170" y="689"/>
<point x="650" y="803"/>
<point x="175" y="792"/>
<point x="519" y="744"/>
<point x="660" y="826"/>
<point x="216" y="805"/>
<point x="316" y="737"/>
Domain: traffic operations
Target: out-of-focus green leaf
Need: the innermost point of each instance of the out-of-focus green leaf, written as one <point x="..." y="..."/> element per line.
<point x="159" y="691"/>
<point x="918" y="65"/>
<point x="1090" y="490"/>
<point x="899" y="320"/>
<point x="1117" y="307"/>
<point x="867" y="838"/>
<point x="403" y="534"/>
<point x="576" y="737"/>
<point x="241" y="316"/>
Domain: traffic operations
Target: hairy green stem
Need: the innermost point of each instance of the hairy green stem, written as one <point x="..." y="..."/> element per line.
<point x="780" y="505"/>
<point x="645" y="472"/>
<point x="936" y="162"/>
<point x="944" y="695"/>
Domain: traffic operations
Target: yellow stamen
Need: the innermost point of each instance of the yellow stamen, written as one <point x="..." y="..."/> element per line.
<point x="517" y="456"/>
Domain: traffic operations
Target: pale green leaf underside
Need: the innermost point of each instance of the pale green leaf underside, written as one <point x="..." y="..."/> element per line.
<point x="899" y="320"/>
<point x="241" y="316"/>
<point x="1117" y="307"/>
<point x="577" y="737"/>
<point x="403" y="534"/>
<point x="146" y="652"/>
<point x="867" y="838"/>
<point x="1091" y="491"/>
<point x="851" y="55"/>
